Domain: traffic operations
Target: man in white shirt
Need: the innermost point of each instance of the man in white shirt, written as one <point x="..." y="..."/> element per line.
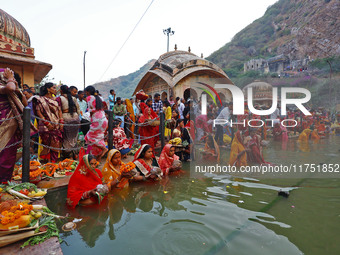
<point x="83" y="108"/>
<point x="275" y="114"/>
<point x="180" y="107"/>
<point x="224" y="115"/>
<point x="82" y="103"/>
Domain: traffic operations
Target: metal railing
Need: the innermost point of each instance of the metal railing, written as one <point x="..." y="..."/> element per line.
<point x="26" y="136"/>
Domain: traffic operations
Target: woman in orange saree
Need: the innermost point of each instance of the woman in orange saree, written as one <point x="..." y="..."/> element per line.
<point x="113" y="170"/>
<point x="315" y="136"/>
<point x="238" y="155"/>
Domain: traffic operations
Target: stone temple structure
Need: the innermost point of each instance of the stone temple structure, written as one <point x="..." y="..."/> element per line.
<point x="262" y="93"/>
<point x="16" y="52"/>
<point x="183" y="74"/>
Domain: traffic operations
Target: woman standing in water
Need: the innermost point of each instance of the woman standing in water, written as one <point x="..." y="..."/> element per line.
<point x="99" y="123"/>
<point x="146" y="164"/>
<point x="238" y="155"/>
<point x="85" y="186"/>
<point x="114" y="174"/>
<point x="48" y="108"/>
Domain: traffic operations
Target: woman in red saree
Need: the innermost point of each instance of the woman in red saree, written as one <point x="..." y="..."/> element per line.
<point x="167" y="159"/>
<point x="211" y="150"/>
<point x="321" y="129"/>
<point x="147" y="130"/>
<point x="279" y="132"/>
<point x="190" y="126"/>
<point x="48" y="108"/>
<point x="254" y="154"/>
<point x="86" y="186"/>
<point x="12" y="103"/>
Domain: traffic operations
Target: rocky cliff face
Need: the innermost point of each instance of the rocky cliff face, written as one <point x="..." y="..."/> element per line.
<point x="296" y="28"/>
<point x="318" y="32"/>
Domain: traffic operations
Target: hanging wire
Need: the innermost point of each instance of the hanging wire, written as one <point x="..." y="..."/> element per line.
<point x="15" y="117"/>
<point x="64" y="124"/>
<point x="114" y="58"/>
<point x="11" y="145"/>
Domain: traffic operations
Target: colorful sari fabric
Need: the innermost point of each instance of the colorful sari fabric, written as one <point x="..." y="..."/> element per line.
<point x="10" y="133"/>
<point x="130" y="110"/>
<point x="83" y="180"/>
<point x="120" y="142"/>
<point x="202" y="126"/>
<point x="99" y="123"/>
<point x="168" y="113"/>
<point x="322" y="129"/>
<point x="315" y="136"/>
<point x="148" y="130"/>
<point x="242" y="119"/>
<point x="49" y="108"/>
<point x="304" y="136"/>
<point x="165" y="161"/>
<point x="255" y="154"/>
<point x="70" y="134"/>
<point x="213" y="151"/>
<point x="236" y="148"/>
<point x="190" y="126"/>
<point x="280" y="132"/>
<point x="142" y="167"/>
<point x="110" y="172"/>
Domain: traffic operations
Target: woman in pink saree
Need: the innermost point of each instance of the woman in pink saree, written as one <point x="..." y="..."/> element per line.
<point x="95" y="137"/>
<point x="167" y="159"/>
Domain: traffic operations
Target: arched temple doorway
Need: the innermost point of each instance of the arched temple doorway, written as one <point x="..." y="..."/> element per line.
<point x="190" y="93"/>
<point x="164" y="96"/>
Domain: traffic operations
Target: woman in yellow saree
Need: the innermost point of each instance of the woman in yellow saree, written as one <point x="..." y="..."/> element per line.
<point x="129" y="109"/>
<point x="304" y="136"/>
<point x="116" y="173"/>
<point x="168" y="115"/>
<point x="238" y="155"/>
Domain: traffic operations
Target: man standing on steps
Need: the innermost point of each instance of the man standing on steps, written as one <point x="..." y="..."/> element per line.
<point x="119" y="110"/>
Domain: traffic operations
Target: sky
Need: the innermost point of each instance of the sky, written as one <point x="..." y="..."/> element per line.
<point x="60" y="31"/>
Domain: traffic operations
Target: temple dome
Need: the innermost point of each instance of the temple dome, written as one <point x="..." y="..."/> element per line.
<point x="13" y="31"/>
<point x="174" y="66"/>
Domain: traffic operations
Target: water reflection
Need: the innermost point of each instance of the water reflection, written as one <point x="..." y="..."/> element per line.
<point x="215" y="215"/>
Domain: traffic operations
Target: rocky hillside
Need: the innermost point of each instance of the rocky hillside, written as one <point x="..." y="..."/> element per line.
<point x="123" y="85"/>
<point x="296" y="28"/>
